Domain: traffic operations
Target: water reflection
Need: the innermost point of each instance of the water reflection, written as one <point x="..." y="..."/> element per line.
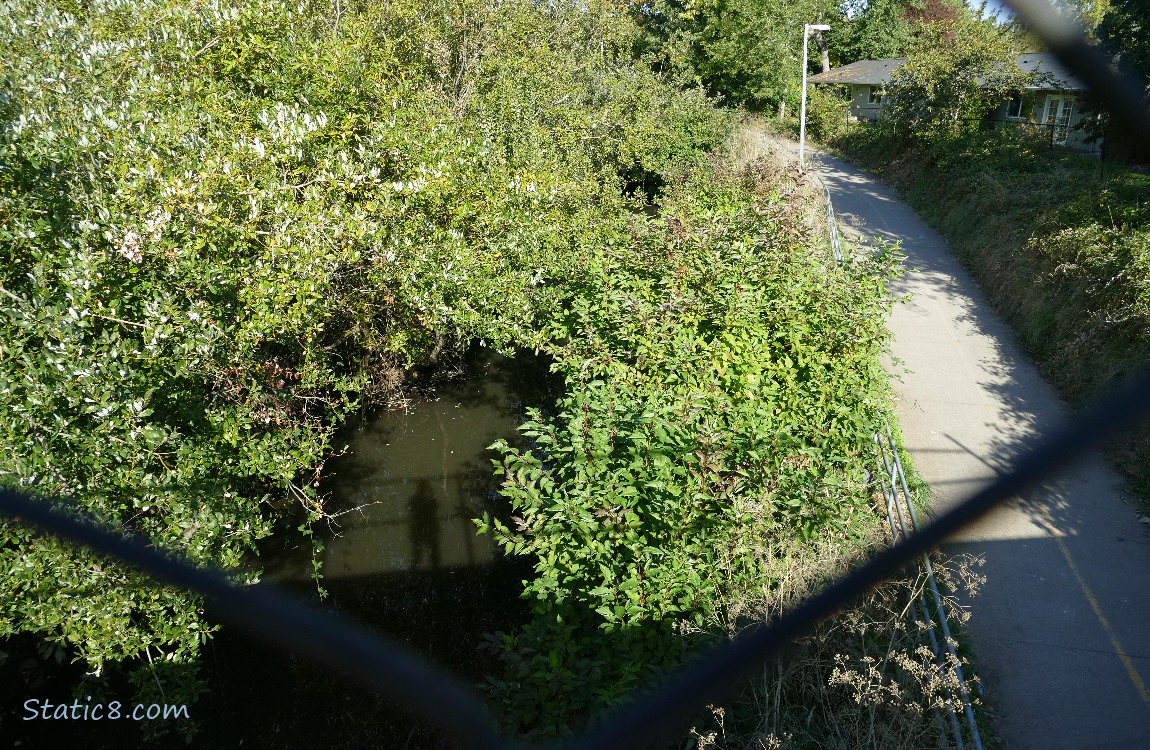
<point x="404" y="560"/>
<point x="405" y="493"/>
<point x="423" y="529"/>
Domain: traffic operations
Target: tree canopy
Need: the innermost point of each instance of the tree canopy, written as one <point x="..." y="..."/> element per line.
<point x="871" y="30"/>
<point x="956" y="73"/>
<point x="748" y="52"/>
<point x="880" y="29"/>
<point x="1125" y="28"/>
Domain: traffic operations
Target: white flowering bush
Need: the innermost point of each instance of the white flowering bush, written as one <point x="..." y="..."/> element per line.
<point x="225" y="225"/>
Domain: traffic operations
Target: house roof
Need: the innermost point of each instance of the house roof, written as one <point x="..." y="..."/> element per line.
<point x="1050" y="74"/>
<point x="863" y="71"/>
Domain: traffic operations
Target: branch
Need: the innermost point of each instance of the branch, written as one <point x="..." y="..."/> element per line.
<point x="13" y="296"/>
<point x="206" y="47"/>
<point x="118" y="320"/>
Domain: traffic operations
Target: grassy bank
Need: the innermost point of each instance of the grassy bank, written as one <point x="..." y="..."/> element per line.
<point x="1059" y="243"/>
<point x="707" y="470"/>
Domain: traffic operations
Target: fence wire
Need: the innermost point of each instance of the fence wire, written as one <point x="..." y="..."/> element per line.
<point x="398" y="673"/>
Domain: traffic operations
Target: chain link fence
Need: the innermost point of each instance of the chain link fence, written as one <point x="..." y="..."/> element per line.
<point x="444" y="702"/>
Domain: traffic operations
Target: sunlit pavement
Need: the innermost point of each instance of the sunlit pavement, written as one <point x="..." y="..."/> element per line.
<point x="1061" y="629"/>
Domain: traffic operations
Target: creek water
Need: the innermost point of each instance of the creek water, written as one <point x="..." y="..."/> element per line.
<point x="406" y="491"/>
<point x="401" y="555"/>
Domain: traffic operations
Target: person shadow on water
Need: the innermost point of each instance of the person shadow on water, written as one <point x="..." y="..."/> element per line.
<point x="423" y="528"/>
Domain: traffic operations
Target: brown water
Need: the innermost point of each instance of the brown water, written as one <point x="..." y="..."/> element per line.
<point x="406" y="492"/>
<point x="402" y="556"/>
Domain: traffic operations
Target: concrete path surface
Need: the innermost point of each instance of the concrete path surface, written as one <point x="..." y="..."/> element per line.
<point x="1061" y="629"/>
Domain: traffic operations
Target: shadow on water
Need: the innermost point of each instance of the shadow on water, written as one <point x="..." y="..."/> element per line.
<point x="401" y="556"/>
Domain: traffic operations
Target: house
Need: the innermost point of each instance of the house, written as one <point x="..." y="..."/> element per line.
<point x="866" y="80"/>
<point x="1051" y="102"/>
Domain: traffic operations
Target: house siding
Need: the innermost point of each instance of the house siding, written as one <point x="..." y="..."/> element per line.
<point x="860" y="105"/>
<point x="1035" y="113"/>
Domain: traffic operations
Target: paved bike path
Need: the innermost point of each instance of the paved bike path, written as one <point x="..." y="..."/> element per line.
<point x="1061" y="629"/>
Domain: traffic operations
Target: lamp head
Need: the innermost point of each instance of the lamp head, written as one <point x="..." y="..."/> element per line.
<point x="818" y="27"/>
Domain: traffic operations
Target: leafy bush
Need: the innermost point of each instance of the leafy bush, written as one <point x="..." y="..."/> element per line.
<point x="227" y="225"/>
<point x="955" y="74"/>
<point x="724" y="383"/>
<point x="827" y="111"/>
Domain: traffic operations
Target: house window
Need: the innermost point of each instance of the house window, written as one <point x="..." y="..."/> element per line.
<point x="1015" y="108"/>
<point x="1056" y="115"/>
<point x="873" y="95"/>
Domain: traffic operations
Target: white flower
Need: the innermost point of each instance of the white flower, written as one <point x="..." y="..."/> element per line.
<point x="154" y="225"/>
<point x="130" y="247"/>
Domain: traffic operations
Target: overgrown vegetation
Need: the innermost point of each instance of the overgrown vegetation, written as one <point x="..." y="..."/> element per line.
<point x="1122" y="26"/>
<point x="956" y="73"/>
<point x="862" y="679"/>
<point x="748" y="52"/>
<point x="878" y="29"/>
<point x="709" y="465"/>
<point x="225" y="226"/>
<point x="828" y="108"/>
<point x="1058" y="242"/>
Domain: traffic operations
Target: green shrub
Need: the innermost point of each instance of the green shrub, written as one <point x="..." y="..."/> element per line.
<point x="827" y="111"/>
<point x="724" y="383"/>
<point x="956" y="73"/>
<point x="224" y="226"/>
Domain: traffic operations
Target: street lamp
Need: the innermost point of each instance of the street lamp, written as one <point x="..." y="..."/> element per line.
<point x="807" y="28"/>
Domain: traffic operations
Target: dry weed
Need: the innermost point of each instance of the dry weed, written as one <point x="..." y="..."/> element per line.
<point x="865" y="678"/>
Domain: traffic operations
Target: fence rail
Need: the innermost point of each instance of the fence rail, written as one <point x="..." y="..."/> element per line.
<point x="833" y="227"/>
<point x="900" y="510"/>
<point x="444" y="702"/>
<point x="1053" y="133"/>
<point x="899" y="506"/>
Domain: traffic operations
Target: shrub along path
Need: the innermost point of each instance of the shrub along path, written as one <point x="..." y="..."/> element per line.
<point x="1061" y="629"/>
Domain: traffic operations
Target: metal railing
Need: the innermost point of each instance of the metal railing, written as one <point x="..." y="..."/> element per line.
<point x="1052" y="134"/>
<point x="899" y="507"/>
<point x="833" y="227"/>
<point x="400" y="674"/>
<point x="899" y="510"/>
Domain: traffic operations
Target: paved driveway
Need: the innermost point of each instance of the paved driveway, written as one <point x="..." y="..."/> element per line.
<point x="1061" y="630"/>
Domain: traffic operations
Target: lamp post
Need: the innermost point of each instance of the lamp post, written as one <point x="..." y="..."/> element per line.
<point x="807" y="28"/>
